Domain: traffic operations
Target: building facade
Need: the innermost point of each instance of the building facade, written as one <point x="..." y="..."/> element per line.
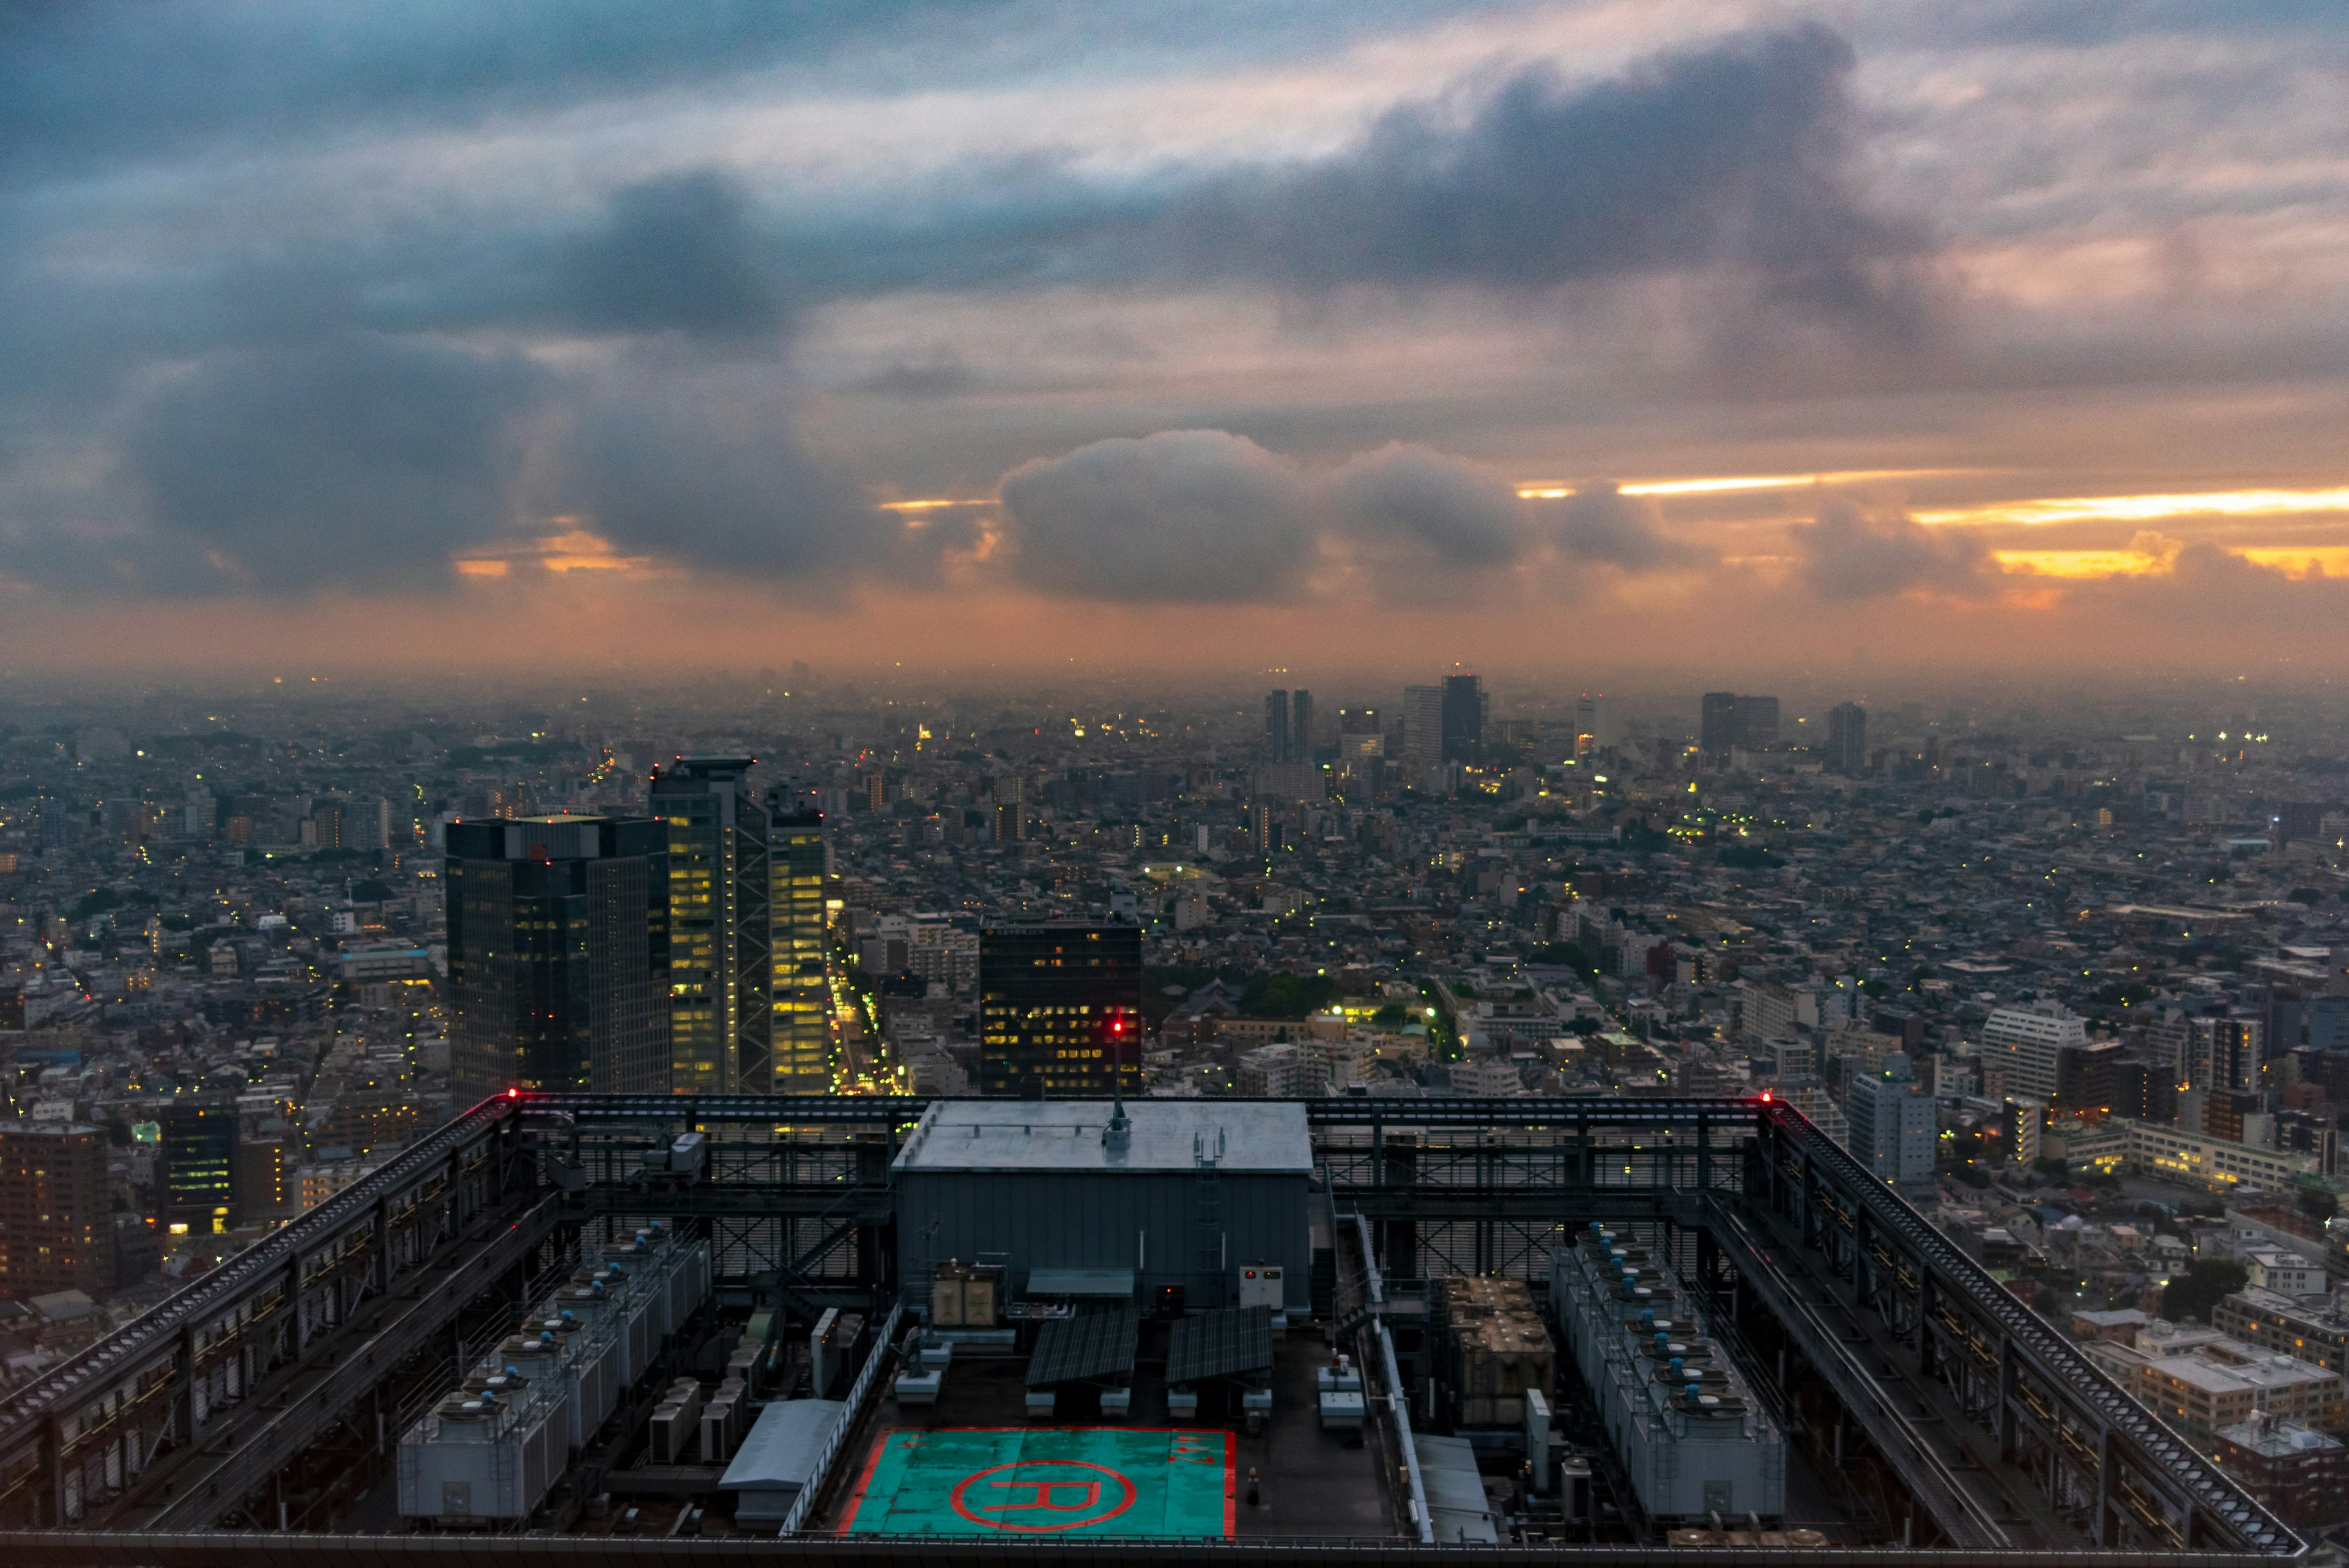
<point x="1059" y="1010"/>
<point x="198" y="1168"/>
<point x="1891" y="1123"/>
<point x="801" y="950"/>
<point x="56" y="1211"/>
<point x="558" y="955"/>
<point x="1463" y="719"/>
<point x="2027" y="1040"/>
<point x="722" y="1026"/>
<point x="1846" y="748"/>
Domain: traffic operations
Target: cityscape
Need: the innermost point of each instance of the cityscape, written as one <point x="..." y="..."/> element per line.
<point x="954" y="780"/>
<point x="2073" y="993"/>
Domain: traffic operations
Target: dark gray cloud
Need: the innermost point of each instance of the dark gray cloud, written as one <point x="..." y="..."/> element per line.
<point x="710" y="470"/>
<point x="1600" y="522"/>
<point x="1741" y="154"/>
<point x="84" y="83"/>
<point x="1208" y="516"/>
<point x="677" y="254"/>
<point x="1181" y="516"/>
<point x="1849" y="554"/>
<point x="1434" y="510"/>
<point x="357" y="461"/>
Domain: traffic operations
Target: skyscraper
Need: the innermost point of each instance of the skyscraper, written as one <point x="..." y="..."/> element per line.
<point x="199" y="1168"/>
<point x="1463" y="719"/>
<point x="721" y="1024"/>
<point x="1730" y="722"/>
<point x="1301" y="727"/>
<point x="1716" y="725"/>
<point x="1757" y="722"/>
<point x="1059" y="1010"/>
<point x="801" y="949"/>
<point x="1276" y="727"/>
<point x="56" y="1212"/>
<point x="1423" y="728"/>
<point x="1846" y="739"/>
<point x="558" y="955"/>
<point x="1586" y="725"/>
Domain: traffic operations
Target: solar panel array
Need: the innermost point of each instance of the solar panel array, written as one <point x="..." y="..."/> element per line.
<point x="1081" y="1348"/>
<point x="1220" y="1345"/>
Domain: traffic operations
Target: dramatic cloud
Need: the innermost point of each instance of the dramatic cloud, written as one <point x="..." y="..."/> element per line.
<point x="1740" y="155"/>
<point x="358" y="461"/>
<point x="1600" y="522"/>
<point x="1188" y="516"/>
<point x="1204" y="516"/>
<point x="1849" y="554"/>
<point x="1423" y="510"/>
<point x="708" y="471"/>
<point x="678" y="254"/>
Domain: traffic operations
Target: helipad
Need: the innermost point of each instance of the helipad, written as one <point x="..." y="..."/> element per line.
<point x="1046" y="1481"/>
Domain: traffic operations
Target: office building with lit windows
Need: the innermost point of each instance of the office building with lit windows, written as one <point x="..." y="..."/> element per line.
<point x="56" y="1211"/>
<point x="558" y="955"/>
<point x="198" y="1168"/>
<point x="722" y="1028"/>
<point x="1059" y="1010"/>
<point x="801" y="999"/>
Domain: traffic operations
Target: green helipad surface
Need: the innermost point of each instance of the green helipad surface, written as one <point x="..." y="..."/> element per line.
<point x="1045" y="1480"/>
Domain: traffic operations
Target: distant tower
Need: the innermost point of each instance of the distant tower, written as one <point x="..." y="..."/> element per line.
<point x="1276" y="727"/>
<point x="1423" y="728"/>
<point x="1301" y="727"/>
<point x="1463" y="719"/>
<point x="1716" y="730"/>
<point x="800" y="951"/>
<point x="1586" y="725"/>
<point x="1848" y="739"/>
<point x="720" y="1025"/>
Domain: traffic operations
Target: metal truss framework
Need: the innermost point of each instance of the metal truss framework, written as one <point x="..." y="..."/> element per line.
<point x="798" y="1203"/>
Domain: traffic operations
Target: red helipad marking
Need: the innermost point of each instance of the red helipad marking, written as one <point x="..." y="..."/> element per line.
<point x="1026" y="1495"/>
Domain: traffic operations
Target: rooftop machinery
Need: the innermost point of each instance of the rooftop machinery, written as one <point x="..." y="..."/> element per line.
<point x="489" y="1453"/>
<point x="1691" y="1434"/>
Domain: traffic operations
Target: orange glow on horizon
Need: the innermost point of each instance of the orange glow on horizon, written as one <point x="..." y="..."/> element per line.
<point x="2144" y="508"/>
<point x="1556" y="490"/>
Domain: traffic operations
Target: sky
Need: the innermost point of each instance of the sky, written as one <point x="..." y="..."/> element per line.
<point x="1569" y="339"/>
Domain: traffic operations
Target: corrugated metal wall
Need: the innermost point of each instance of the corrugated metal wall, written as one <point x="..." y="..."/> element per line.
<point x="1091" y="1221"/>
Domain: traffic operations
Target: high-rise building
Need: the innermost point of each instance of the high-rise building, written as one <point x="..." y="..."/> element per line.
<point x="2224" y="1054"/>
<point x="1059" y="1010"/>
<point x="1301" y="727"/>
<point x="722" y="1020"/>
<point x="2027" y="1040"/>
<point x="1423" y="729"/>
<point x="198" y="1168"/>
<point x="800" y="960"/>
<point x="1890" y="1121"/>
<point x="1586" y="725"/>
<point x="1728" y="722"/>
<point x="558" y="955"/>
<point x="56" y="1211"/>
<point x="1757" y="722"/>
<point x="1846" y="739"/>
<point x="1276" y="726"/>
<point x="1716" y="725"/>
<point x="1463" y="719"/>
<point x="1361" y="748"/>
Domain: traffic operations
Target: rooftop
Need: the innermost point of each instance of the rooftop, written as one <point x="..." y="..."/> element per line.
<point x="1243" y="1136"/>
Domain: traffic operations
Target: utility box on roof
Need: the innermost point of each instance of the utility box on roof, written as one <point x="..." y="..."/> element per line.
<point x="1187" y="1194"/>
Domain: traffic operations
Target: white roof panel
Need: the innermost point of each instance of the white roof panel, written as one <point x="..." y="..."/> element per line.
<point x="1246" y="1136"/>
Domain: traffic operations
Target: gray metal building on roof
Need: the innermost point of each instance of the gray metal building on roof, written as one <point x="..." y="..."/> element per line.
<point x="1198" y="1189"/>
